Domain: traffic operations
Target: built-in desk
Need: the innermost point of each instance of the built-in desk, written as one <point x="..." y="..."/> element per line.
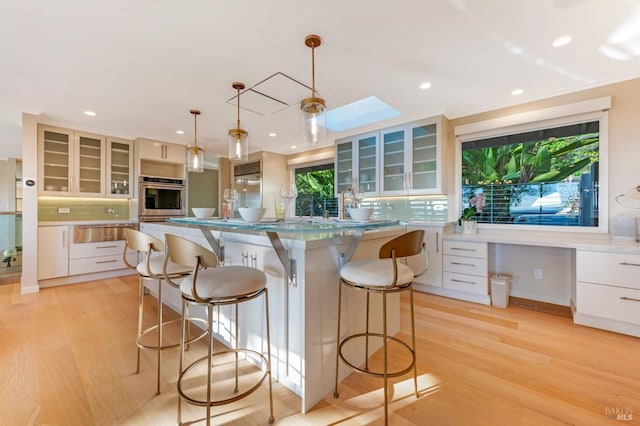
<point x="598" y="277"/>
<point x="301" y="260"/>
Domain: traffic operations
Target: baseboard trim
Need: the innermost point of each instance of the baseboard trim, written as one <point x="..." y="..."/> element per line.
<point x="544" y="307"/>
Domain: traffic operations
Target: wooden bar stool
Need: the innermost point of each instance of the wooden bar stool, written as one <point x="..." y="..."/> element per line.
<point x="212" y="285"/>
<point x="389" y="273"/>
<point x="152" y="266"/>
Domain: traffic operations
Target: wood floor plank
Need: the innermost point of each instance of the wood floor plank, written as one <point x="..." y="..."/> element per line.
<point x="67" y="356"/>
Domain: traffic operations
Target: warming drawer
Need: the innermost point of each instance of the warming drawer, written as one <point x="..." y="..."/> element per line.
<point x="101" y="233"/>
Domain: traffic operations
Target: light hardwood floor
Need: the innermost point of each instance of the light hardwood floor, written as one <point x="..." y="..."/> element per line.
<point x="67" y="357"/>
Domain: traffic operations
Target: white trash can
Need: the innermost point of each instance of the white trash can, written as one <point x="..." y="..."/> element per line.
<point x="500" y="285"/>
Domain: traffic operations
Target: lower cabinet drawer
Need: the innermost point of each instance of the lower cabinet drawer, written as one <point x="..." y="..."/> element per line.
<point x="465" y="265"/>
<point x="89" y="265"/>
<point x="468" y="283"/>
<point x="107" y="248"/>
<point x="616" y="303"/>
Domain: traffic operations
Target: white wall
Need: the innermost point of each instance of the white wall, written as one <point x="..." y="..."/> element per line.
<point x="29" y="282"/>
<point x="520" y="262"/>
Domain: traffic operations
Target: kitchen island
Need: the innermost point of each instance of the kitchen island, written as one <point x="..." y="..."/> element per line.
<point x="301" y="259"/>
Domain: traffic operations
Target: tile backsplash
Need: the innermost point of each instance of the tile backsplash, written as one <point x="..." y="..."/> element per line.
<point x="52" y="209"/>
<point x="420" y="208"/>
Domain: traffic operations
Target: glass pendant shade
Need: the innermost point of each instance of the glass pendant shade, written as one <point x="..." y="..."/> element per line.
<point x="314" y="130"/>
<point x="195" y="159"/>
<point x="238" y="145"/>
<point x="195" y="154"/>
<point x="238" y="138"/>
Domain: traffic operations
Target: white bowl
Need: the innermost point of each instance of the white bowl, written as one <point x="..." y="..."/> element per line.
<point x="361" y="213"/>
<point x="203" y="212"/>
<point x="251" y="214"/>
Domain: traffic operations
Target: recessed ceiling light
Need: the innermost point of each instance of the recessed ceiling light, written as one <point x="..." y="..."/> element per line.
<point x="517" y="92"/>
<point x="425" y="85"/>
<point x="293" y="147"/>
<point x="273" y="134"/>
<point x="561" y="41"/>
<point x="90" y="113"/>
<point x="180" y="132"/>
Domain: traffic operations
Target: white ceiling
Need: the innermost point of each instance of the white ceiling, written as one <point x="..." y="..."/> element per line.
<point x="141" y="65"/>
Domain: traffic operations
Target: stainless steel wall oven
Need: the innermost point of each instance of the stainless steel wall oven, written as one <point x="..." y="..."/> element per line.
<point x="161" y="198"/>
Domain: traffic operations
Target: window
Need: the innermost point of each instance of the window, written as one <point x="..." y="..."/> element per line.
<point x="546" y="173"/>
<point x="315" y="191"/>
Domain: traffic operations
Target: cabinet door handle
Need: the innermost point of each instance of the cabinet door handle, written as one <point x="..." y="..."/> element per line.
<point x="64" y="238"/>
<point x="462" y="281"/>
<point x="630" y="298"/>
<point x="104" y="247"/>
<point x="629" y="264"/>
<point x="106" y="261"/>
<point x="463" y="264"/>
<point x="437" y="242"/>
<point x="462" y="249"/>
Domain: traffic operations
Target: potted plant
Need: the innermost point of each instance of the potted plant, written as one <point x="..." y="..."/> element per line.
<point x="468" y="219"/>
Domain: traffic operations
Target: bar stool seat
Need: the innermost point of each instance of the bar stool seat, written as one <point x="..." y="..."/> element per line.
<point x="399" y="262"/>
<point x="152" y="267"/>
<point x="212" y="285"/>
<point x="376" y="273"/>
<point x="230" y="282"/>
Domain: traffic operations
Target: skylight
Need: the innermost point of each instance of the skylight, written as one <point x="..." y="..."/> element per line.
<point x="359" y="113"/>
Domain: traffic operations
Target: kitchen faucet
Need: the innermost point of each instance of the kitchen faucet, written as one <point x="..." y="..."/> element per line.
<point x="341" y="209"/>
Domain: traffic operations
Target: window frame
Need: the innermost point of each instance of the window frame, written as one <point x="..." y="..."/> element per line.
<point x="590" y="110"/>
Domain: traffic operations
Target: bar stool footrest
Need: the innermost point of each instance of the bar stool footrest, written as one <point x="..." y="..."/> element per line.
<point x="236" y="397"/>
<point x="375" y="373"/>
<point x="169" y="345"/>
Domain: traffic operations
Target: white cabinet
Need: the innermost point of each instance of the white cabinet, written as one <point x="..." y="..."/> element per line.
<point x="53" y="252"/>
<point x="433" y="246"/>
<point x="160" y="151"/>
<point x="409" y="159"/>
<point x="608" y="291"/>
<point x="87" y="258"/>
<point x="160" y="158"/>
<point x="465" y="270"/>
<point x="400" y="160"/>
<point x="356" y="163"/>
<point x="71" y="163"/>
<point x="119" y="168"/>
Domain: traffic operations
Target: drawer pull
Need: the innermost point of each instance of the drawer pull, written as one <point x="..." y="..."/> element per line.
<point x="462" y="249"/>
<point x="629" y="264"/>
<point x="462" y="281"/>
<point x="103" y="247"/>
<point x="463" y="264"/>
<point x="630" y="298"/>
<point x="106" y="261"/>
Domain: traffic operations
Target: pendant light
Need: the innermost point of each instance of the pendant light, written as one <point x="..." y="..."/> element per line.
<point x="238" y="138"/>
<point x="195" y="154"/>
<point x="313" y="109"/>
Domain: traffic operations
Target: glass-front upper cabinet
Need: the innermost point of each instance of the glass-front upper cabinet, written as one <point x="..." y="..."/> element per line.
<point x="424" y="175"/>
<point x="356" y="163"/>
<point x="410" y="159"/>
<point x="367" y="163"/>
<point x="90" y="162"/>
<point x="394" y="171"/>
<point x="55" y="160"/>
<point x="343" y="165"/>
<point x="70" y="163"/>
<point x="120" y="168"/>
